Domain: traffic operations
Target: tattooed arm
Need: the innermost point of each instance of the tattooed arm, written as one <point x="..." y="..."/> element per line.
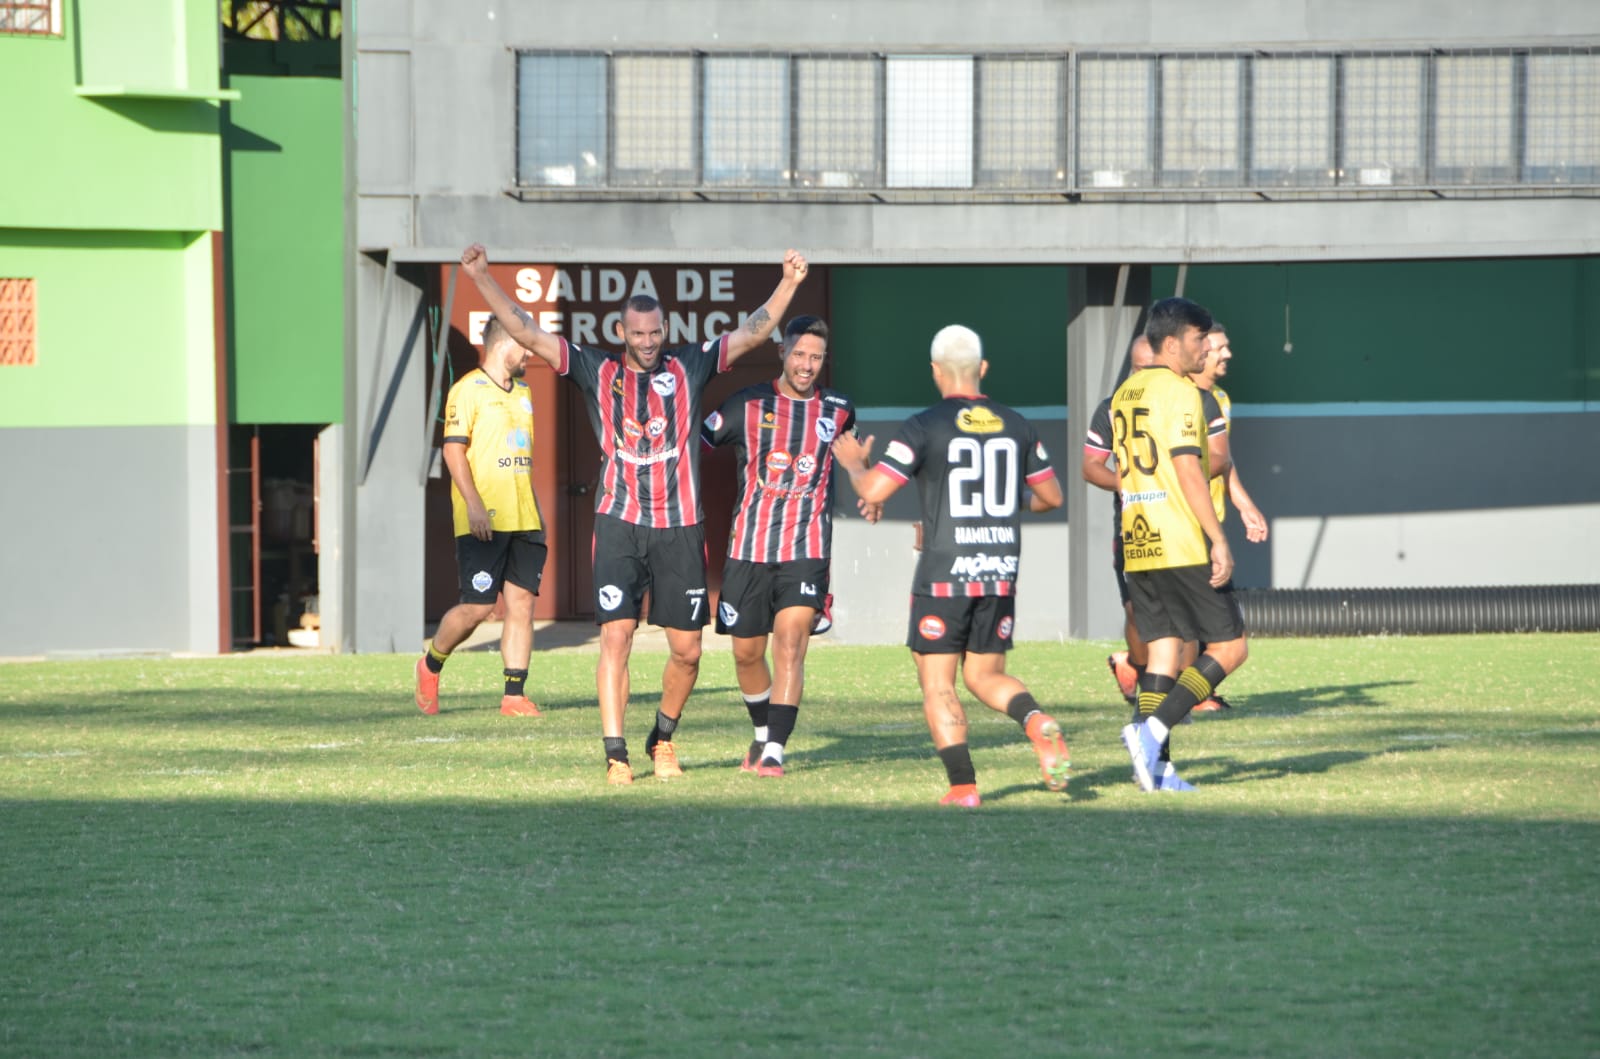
<point x="514" y="318"/>
<point x="757" y="327"/>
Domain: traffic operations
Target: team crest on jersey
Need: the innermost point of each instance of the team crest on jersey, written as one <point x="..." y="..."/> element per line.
<point x="826" y="430"/>
<point x="1140" y="535"/>
<point x="526" y="405"/>
<point x="768" y="421"/>
<point x="805" y="465"/>
<point x="664" y="383"/>
<point x="979" y="420"/>
<point x="1004" y="631"/>
<point x="517" y="439"/>
<point x="616" y="386"/>
<point x="899" y="451"/>
<point x="930" y="628"/>
<point x="631" y="428"/>
<point x="481" y="581"/>
<point x="714" y="421"/>
<point x="1038" y="450"/>
<point x="777" y="461"/>
<point x="656" y="427"/>
<point x="610" y="597"/>
<point x="727" y="613"/>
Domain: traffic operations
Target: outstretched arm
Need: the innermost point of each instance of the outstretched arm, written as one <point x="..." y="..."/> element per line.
<point x="513" y="317"/>
<point x="757" y="327"/>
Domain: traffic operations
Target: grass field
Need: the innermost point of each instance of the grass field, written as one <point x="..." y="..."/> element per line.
<point x="1395" y="850"/>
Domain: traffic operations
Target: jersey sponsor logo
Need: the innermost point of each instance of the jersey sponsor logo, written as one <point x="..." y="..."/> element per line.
<point x="1142" y="542"/>
<point x="982" y="565"/>
<point x="769" y="421"/>
<point x="899" y="451"/>
<point x="610" y="597"/>
<point x="656" y="427"/>
<point x="986" y="534"/>
<point x="1004" y="631"/>
<point x="930" y="628"/>
<point x="727" y="613"/>
<point x="826" y="430"/>
<point x="805" y="465"/>
<point x="1038" y="450"/>
<point x="482" y="580"/>
<point x="616" y="386"/>
<point x="979" y="420"/>
<point x="631" y="429"/>
<point x="517" y="439"/>
<point x="647" y="461"/>
<point x="777" y="461"/>
<point x="1149" y="496"/>
<point x="664" y="383"/>
<point x="714" y="421"/>
<point x="835" y="399"/>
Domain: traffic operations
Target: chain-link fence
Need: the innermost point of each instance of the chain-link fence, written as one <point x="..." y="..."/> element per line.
<point x="997" y="126"/>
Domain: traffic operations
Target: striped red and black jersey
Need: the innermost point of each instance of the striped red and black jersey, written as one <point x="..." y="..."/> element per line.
<point x="971" y="458"/>
<point x="645" y="422"/>
<point x="785" y="461"/>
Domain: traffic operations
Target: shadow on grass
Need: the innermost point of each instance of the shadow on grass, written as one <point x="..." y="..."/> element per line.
<point x="1303" y="700"/>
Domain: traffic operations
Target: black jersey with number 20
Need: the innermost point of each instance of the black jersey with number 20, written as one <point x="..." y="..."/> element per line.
<point x="971" y="458"/>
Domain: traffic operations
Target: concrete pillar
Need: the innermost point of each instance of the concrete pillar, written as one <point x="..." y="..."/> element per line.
<point x="1105" y="303"/>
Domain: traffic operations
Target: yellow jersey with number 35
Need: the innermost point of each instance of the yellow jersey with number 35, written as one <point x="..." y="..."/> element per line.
<point x="496" y="426"/>
<point x="1156" y="415"/>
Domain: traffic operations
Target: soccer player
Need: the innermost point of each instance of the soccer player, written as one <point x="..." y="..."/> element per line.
<point x="775" y="581"/>
<point x="1126" y="666"/>
<point x="971" y="458"/>
<point x="1177" y="560"/>
<point x="644" y="405"/>
<point x="488" y="449"/>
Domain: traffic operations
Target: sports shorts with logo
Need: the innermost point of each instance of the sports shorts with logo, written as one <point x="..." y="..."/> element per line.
<point x="1179" y="601"/>
<point x="669" y="563"/>
<point x="944" y="626"/>
<point x="514" y="556"/>
<point x="752" y="593"/>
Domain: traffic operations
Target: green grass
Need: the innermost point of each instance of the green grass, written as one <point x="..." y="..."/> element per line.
<point x="1395" y="850"/>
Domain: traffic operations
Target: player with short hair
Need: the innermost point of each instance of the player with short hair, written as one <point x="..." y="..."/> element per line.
<point x="775" y="581"/>
<point x="500" y="546"/>
<point x="644" y="405"/>
<point x="977" y="464"/>
<point x="1177" y="560"/>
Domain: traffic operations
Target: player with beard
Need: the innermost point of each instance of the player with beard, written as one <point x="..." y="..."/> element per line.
<point x="644" y="405"/>
<point x="775" y="581"/>
<point x="974" y="461"/>
<point x="488" y="449"/>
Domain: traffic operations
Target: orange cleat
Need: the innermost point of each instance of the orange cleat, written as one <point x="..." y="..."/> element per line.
<point x="619" y="773"/>
<point x="427" y="688"/>
<point x="752" y="757"/>
<point x="518" y="706"/>
<point x="1212" y="705"/>
<point x="666" y="759"/>
<point x="1045" y="735"/>
<point x="964" y="795"/>
<point x="1126" y="676"/>
<point x="770" y="769"/>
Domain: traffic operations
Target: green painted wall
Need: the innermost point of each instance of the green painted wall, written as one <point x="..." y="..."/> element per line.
<point x="111" y="163"/>
<point x="884" y="317"/>
<point x="284" y="147"/>
<point x="125" y="334"/>
<point x="1522" y="330"/>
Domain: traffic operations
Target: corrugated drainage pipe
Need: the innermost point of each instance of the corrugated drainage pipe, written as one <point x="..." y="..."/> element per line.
<point x="1419" y="611"/>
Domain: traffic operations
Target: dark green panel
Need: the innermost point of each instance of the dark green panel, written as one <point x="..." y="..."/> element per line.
<point x="1515" y="330"/>
<point x="884" y="317"/>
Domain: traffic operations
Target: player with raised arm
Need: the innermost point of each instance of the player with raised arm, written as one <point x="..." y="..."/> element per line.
<point x="644" y="405"/>
<point x="1177" y="560"/>
<point x="977" y="464"/>
<point x="775" y="581"/>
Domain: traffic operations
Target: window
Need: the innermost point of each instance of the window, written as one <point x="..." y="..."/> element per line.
<point x="1021" y="123"/>
<point x="1291" y="122"/>
<point x="655" y="121"/>
<point x="1473" y="115"/>
<point x="40" y="18"/>
<point x="1200" y="122"/>
<point x="1383" y="120"/>
<point x="561" y="119"/>
<point x="836" y="117"/>
<point x="1115" y="102"/>
<point x="1563" y="137"/>
<point x="18" y="323"/>
<point x="929" y="115"/>
<point x="747" y="121"/>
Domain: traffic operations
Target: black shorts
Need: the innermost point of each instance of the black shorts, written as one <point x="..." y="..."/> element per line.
<point x="483" y="566"/>
<point x="752" y="593"/>
<point x="980" y="625"/>
<point x="1181" y="602"/>
<point x="670" y="564"/>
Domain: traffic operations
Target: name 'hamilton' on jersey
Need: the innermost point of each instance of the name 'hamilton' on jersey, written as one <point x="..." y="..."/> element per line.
<point x="785" y="463"/>
<point x="971" y="458"/>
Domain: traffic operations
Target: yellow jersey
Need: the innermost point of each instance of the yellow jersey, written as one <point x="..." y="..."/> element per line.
<point x="496" y="426"/>
<point x="1156" y="415"/>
